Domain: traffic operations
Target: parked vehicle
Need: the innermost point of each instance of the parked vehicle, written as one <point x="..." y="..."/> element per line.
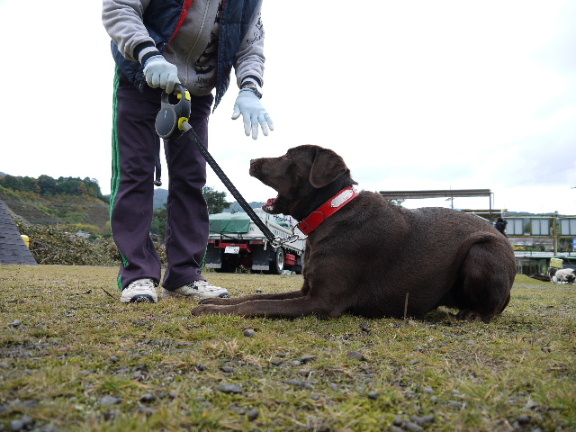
<point x="235" y="242"/>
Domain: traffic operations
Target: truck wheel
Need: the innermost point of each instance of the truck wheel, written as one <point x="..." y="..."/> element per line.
<point x="277" y="265"/>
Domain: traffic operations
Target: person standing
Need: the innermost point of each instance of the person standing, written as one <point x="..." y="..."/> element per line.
<point x="157" y="44"/>
<point x="500" y="225"/>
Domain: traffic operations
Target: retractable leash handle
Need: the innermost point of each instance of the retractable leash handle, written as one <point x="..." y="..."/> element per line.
<point x="172" y="116"/>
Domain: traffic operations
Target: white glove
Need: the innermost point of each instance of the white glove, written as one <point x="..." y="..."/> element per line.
<point x="254" y="114"/>
<point x="160" y="73"/>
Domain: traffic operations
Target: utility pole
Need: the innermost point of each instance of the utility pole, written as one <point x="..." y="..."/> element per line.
<point x="555" y="232"/>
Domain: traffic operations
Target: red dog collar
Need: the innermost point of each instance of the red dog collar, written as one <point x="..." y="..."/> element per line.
<point x="316" y="218"/>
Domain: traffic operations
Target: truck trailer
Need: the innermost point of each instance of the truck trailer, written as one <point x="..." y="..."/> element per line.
<point x="236" y="242"/>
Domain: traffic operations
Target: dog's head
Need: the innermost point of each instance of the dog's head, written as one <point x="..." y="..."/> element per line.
<point x="299" y="175"/>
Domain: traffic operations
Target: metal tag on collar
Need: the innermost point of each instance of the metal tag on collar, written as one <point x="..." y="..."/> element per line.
<point x="342" y="198"/>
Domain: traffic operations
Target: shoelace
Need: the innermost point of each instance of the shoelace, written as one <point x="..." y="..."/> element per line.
<point x="143" y="283"/>
<point x="204" y="285"/>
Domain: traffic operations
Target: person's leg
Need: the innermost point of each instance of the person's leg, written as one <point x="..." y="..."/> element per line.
<point x="188" y="224"/>
<point x="135" y="145"/>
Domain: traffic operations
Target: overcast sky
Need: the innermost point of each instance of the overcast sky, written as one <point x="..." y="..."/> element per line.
<point x="414" y="95"/>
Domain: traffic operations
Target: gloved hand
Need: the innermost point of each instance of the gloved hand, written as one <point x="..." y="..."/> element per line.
<point x="160" y="73"/>
<point x="254" y="114"/>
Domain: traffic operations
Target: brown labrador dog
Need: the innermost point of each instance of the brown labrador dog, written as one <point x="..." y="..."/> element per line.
<point x="369" y="257"/>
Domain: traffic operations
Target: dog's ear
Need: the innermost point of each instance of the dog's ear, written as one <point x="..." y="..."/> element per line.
<point x="326" y="167"/>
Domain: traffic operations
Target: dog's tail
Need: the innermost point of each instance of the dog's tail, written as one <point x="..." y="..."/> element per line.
<point x="499" y="242"/>
<point x="479" y="238"/>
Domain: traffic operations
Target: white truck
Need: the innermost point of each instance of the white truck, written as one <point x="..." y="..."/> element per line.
<point x="236" y="242"/>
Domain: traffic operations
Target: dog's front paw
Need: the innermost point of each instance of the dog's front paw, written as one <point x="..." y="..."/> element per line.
<point x="208" y="309"/>
<point x="215" y="301"/>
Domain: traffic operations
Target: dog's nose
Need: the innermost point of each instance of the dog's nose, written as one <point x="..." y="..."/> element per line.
<point x="253" y="168"/>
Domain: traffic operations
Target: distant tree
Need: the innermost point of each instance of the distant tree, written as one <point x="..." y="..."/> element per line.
<point x="29" y="184"/>
<point x="47" y="185"/>
<point x="69" y="185"/>
<point x="216" y="200"/>
<point x="77" y="186"/>
<point x="216" y="204"/>
<point x="92" y="187"/>
<point x="23" y="184"/>
<point x="11" y="182"/>
<point x="160" y="222"/>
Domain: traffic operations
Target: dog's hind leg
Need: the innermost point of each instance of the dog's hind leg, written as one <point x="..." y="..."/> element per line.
<point x="485" y="280"/>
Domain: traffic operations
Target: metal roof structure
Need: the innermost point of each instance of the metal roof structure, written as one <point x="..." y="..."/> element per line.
<point x="13" y="250"/>
<point x="486" y="212"/>
<point x="449" y="193"/>
<point x="444" y="193"/>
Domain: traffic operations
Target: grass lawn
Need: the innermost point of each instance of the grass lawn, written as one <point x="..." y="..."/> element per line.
<point x="73" y="358"/>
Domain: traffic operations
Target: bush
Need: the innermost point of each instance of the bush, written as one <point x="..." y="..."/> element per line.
<point x="50" y="245"/>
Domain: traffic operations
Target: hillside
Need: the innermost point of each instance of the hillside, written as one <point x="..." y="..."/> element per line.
<point x="78" y="204"/>
<point x="160" y="197"/>
<point x="82" y="211"/>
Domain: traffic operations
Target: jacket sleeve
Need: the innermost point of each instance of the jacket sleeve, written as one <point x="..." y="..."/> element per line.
<point x="123" y="21"/>
<point x="250" y="59"/>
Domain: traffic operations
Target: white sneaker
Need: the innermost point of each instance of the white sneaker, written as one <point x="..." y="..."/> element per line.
<point x="140" y="291"/>
<point x="197" y="290"/>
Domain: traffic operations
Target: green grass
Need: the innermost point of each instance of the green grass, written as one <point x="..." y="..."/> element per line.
<point x="77" y="349"/>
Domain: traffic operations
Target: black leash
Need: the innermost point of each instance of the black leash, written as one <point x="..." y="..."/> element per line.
<point x="274" y="241"/>
<point x="172" y="122"/>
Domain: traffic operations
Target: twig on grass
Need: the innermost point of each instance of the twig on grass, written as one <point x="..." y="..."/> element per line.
<point x="406" y="305"/>
<point x="107" y="293"/>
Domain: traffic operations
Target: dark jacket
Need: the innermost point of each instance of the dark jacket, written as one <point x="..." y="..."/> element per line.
<point x="163" y="19"/>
